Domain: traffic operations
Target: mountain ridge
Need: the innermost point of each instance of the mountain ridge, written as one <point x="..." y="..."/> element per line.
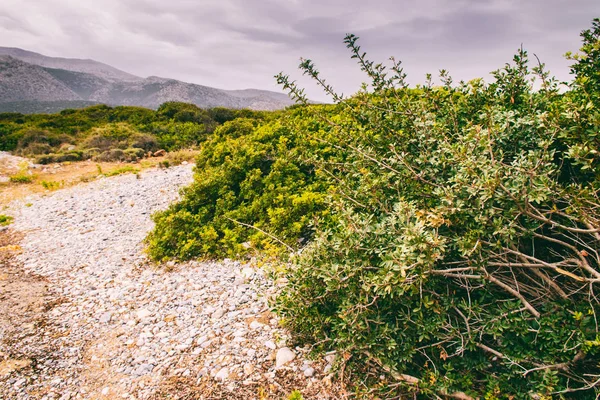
<point x="28" y="77"/>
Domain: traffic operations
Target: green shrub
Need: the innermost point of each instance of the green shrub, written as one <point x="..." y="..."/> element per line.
<point x="134" y="154"/>
<point x="46" y="159"/>
<point x="31" y="136"/>
<point x="111" y="156"/>
<point x="144" y="142"/>
<point x="99" y="142"/>
<point x="177" y="135"/>
<point x="179" y="156"/>
<point x="52" y="185"/>
<point x="164" y="164"/>
<point x="5" y="220"/>
<point x="249" y="188"/>
<point x="22" y="177"/>
<point x="123" y="170"/>
<point x="464" y="253"/>
<point x="91" y="153"/>
<point x="34" y="149"/>
<point x="295" y="395"/>
<point x="74" y="155"/>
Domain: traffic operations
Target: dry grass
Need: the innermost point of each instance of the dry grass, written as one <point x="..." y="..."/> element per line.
<point x="57" y="176"/>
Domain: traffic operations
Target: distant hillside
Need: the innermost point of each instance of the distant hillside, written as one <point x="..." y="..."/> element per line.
<point x="71" y="64"/>
<point x="20" y="81"/>
<point x="27" y="78"/>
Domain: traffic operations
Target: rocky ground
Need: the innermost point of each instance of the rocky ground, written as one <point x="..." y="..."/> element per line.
<point x="10" y="164"/>
<point x="85" y="315"/>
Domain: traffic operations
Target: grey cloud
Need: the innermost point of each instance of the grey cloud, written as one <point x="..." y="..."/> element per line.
<point x="240" y="43"/>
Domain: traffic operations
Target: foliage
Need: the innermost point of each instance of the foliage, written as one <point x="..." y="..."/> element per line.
<point x="5" y="220"/>
<point x="463" y="258"/>
<point x="21" y="177"/>
<point x="587" y="63"/>
<point x="180" y="156"/>
<point x="123" y="170"/>
<point x="295" y="395"/>
<point x="52" y="185"/>
<point x="250" y="191"/>
<point x="93" y="132"/>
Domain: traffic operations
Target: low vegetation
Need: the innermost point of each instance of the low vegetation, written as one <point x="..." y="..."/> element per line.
<point x="452" y="229"/>
<point x="247" y="175"/>
<point x="107" y="134"/>
<point x="128" y="169"/>
<point x="5" y="220"/>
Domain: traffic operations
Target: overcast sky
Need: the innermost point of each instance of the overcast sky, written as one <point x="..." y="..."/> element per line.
<point x="236" y="44"/>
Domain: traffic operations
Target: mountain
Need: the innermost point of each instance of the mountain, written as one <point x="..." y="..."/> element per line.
<point x="22" y="81"/>
<point x="70" y="64"/>
<point x="57" y="83"/>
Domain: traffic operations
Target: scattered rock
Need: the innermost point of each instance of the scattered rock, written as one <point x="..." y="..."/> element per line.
<point x="270" y="344"/>
<point x="143" y="313"/>
<point x="223" y="374"/>
<point x="105" y="318"/>
<point x="284" y="356"/>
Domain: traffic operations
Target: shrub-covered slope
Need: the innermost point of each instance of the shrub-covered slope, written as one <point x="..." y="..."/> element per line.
<point x="111" y="133"/>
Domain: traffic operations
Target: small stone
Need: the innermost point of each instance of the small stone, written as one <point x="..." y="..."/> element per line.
<point x="284" y="356"/>
<point x="170" y="318"/>
<point x="218" y="313"/>
<point x="201" y="340"/>
<point x="308" y="372"/>
<point x="330" y="358"/>
<point x="105" y="391"/>
<point x="143" y="313"/>
<point x="248" y="272"/>
<point x="222" y="374"/>
<point x="144" y="369"/>
<point x="105" y="318"/>
<point x="248" y="369"/>
<point x="66" y="396"/>
<point x="256" y="325"/>
<point x="270" y="345"/>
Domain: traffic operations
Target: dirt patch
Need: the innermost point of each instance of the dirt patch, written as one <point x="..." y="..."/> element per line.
<point x="24" y="303"/>
<point x="286" y="381"/>
<point x="21" y="295"/>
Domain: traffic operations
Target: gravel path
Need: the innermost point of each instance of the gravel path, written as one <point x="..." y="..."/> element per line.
<point x="116" y="327"/>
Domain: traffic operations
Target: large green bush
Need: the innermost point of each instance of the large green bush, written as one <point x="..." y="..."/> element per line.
<point x="250" y="191"/>
<point x="464" y="256"/>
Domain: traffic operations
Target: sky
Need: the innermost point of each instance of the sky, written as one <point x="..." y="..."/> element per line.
<point x="238" y="44"/>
